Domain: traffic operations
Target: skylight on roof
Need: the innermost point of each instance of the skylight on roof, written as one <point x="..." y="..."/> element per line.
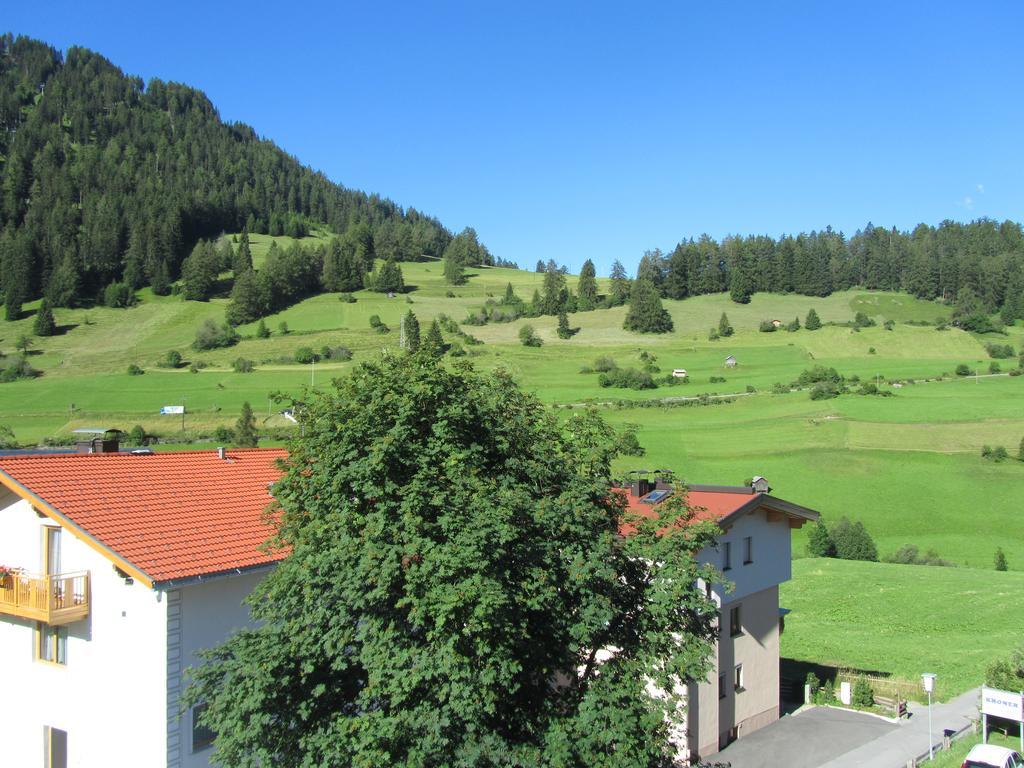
<point x="654" y="497"/>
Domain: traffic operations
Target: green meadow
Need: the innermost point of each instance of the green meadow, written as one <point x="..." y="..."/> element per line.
<point x="908" y="466"/>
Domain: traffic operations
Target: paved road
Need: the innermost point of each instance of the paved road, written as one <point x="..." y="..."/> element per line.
<point x="894" y="749"/>
<point x="805" y="740"/>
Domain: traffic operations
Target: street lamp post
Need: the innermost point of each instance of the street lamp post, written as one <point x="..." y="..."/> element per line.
<point x="929" y="685"/>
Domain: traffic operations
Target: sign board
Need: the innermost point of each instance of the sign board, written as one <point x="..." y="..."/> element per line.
<point x="169" y="410"/>
<point x="1007" y="704"/>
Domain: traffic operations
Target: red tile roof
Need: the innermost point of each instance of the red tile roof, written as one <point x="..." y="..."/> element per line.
<point x="169" y="515"/>
<point x="707" y="505"/>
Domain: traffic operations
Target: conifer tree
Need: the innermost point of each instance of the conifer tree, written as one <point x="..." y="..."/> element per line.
<point x="262" y="332"/>
<point x="410" y="329"/>
<point x="586" y="289"/>
<point x="553" y="294"/>
<point x="819" y="541"/>
<point x="433" y="342"/>
<point x="724" y="329"/>
<point x="510" y="295"/>
<point x="564" y="331"/>
<point x="454" y="272"/>
<point x="1000" y="559"/>
<point x="387" y="279"/>
<point x="812" y="321"/>
<point x="246" y="435"/>
<point x="646" y="315"/>
<point x="620" y="285"/>
<point x="539" y="269"/>
<point x="44" y="324"/>
<point x="243" y="255"/>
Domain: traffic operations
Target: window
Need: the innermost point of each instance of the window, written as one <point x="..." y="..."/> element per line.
<point x="55" y="747"/>
<point x="735" y="624"/>
<point x="51" y="550"/>
<point x="726" y="556"/>
<point x="737" y="678"/>
<point x="202" y="735"/>
<point x="748" y="550"/>
<point x="51" y="643"/>
<point x="721" y="686"/>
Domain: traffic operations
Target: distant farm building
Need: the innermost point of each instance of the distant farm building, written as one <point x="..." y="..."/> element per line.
<point x="777" y="323"/>
<point x="679" y="373"/>
<point x="730" y="361"/>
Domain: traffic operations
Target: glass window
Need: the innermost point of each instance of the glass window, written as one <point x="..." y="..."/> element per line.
<point x="721" y="686"/>
<point x="51" y="643"/>
<point x="748" y="550"/>
<point x="735" y="624"/>
<point x="202" y="736"/>
<point x="726" y="556"/>
<point x="737" y="678"/>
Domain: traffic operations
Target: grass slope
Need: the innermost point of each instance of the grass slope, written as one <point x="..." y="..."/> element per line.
<point x="901" y="620"/>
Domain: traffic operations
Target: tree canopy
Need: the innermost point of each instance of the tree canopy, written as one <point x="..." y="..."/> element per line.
<point x="457" y="592"/>
<point x="646" y="314"/>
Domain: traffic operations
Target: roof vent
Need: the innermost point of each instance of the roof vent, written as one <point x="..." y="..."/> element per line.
<point x="760" y="485"/>
<point x="221" y="453"/>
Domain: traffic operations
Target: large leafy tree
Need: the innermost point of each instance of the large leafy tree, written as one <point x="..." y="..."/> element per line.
<point x="457" y="591"/>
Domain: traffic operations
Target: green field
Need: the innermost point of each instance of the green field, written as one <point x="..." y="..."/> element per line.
<point x="902" y="620"/>
<point x="908" y="466"/>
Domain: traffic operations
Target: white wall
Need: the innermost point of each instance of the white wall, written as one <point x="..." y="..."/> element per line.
<point x="772" y="547"/>
<point x="210" y="611"/>
<point x="111" y="695"/>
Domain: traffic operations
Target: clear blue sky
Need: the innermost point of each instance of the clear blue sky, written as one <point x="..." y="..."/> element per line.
<point x="570" y="131"/>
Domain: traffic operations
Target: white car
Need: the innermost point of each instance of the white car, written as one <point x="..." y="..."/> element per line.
<point x="991" y="756"/>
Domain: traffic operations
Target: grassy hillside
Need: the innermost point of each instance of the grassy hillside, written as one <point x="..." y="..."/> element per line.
<point x="902" y="620"/>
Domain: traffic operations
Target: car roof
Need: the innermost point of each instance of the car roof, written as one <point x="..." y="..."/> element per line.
<point x="989" y="753"/>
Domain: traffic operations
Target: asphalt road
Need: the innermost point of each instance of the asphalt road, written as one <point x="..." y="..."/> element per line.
<point x="806" y="740"/>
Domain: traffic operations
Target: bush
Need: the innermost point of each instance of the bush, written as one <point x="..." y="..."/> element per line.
<point x="778" y="388"/>
<point x="1000" y="351"/>
<point x="604" y="364"/>
<point x="171" y="360"/>
<point x="224" y="434"/>
<point x="456" y="350"/>
<point x="819" y="541"/>
<point x="824" y="390"/>
<point x="812" y="322"/>
<point x="717" y="380"/>
<point x="766" y="326"/>
<point x="627" y="378"/>
<point x="378" y="325"/>
<point x="889" y="325"/>
<point x="134" y="370"/>
<point x="343" y="354"/>
<point x="863" y="697"/>
<point x="861" y="320"/>
<point x="1000" y="559"/>
<point x="212" y="335"/>
<point x="819" y="373"/>
<point x="994" y="367"/>
<point x="751" y="389"/>
<point x="528" y="337"/>
<point x="262" y="331"/>
<point x="813" y="682"/>
<point x="964" y="370"/>
<point x="909" y="554"/>
<point x="1007" y="673"/>
<point x="242" y="365"/>
<point x="118" y="296"/>
<point x="871" y="350"/>
<point x="997" y="454"/>
<point x="346" y="298"/>
<point x="282" y="328"/>
<point x="852" y="541"/>
<point x="586" y="369"/>
<point x="17" y="369"/>
<point x="306" y="355"/>
<point x="137" y="435"/>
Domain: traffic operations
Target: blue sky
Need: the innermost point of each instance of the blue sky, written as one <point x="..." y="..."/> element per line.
<point x="593" y="130"/>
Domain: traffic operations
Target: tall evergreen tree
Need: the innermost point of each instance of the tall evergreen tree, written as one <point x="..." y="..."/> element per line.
<point x="199" y="272"/>
<point x="246" y="435"/>
<point x="387" y="279"/>
<point x="44" y="324"/>
<point x="243" y="255"/>
<point x="433" y="342"/>
<point x="724" y="329"/>
<point x="812" y="322"/>
<point x="410" y="332"/>
<point x="454" y="271"/>
<point x="646" y="315"/>
<point x="620" y="285"/>
<point x="586" y="289"/>
<point x="554" y="293"/>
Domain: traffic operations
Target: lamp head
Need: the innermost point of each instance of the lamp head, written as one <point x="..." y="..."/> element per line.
<point x="929" y="681"/>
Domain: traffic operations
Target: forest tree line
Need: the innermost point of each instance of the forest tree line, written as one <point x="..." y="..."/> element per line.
<point x="106" y="180"/>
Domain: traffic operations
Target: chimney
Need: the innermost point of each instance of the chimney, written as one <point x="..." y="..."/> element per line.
<point x="640" y="487"/>
<point x="221" y="453"/>
<point x="99" y="441"/>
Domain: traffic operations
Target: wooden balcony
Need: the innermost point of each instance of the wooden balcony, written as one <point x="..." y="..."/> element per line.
<point x="59" y="599"/>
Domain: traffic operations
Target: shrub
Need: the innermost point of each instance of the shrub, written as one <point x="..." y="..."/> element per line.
<point x="627" y="378"/>
<point x="223" y="434"/>
<point x="604" y="364"/>
<point x="336" y="353"/>
<point x="819" y="541"/>
<point x="212" y="335"/>
<point x="282" y="328"/>
<point x="964" y="370"/>
<point x="793" y="325"/>
<point x="262" y="331"/>
<point x="346" y="298"/>
<point x="812" y="681"/>
<point x="716" y="380"/>
<point x="889" y="325"/>
<point x="586" y="369"/>
<point x="766" y="326"/>
<point x="1007" y="673"/>
<point x="1000" y="351"/>
<point x="18" y="368"/>
<point x="997" y="454"/>
<point x="118" y="295"/>
<point x="751" y="389"/>
<point x="306" y="355"/>
<point x="713" y="335"/>
<point x="134" y="370"/>
<point x="778" y="388"/>
<point x="449" y="294"/>
<point x="871" y="350"/>
<point x="824" y="390"/>
<point x="137" y="435"/>
<point x="242" y="365"/>
<point x="852" y="541"/>
<point x="827" y="693"/>
<point x="994" y="367"/>
<point x="171" y="360"/>
<point x="812" y="322"/>
<point x="456" y="350"/>
<point x="909" y="554"/>
<point x="378" y="325"/>
<point x="1000" y="559"/>
<point x="862" y="697"/>
<point x="819" y="373"/>
<point x="861" y="320"/>
<point x="528" y="337"/>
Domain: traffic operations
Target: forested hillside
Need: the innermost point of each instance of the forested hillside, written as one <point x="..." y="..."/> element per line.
<point x="106" y="179"/>
<point x="979" y="266"/>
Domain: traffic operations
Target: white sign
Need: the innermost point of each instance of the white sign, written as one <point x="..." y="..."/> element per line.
<point x="169" y="410"/>
<point x="1002" y="704"/>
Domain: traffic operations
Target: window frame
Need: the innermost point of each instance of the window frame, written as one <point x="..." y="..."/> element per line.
<point x="205" y="733"/>
<point x="722" y="692"/>
<point x="737" y="678"/>
<point x="50" y="644"/>
<point x="726" y="556"/>
<point x="52" y="745"/>
<point x="748" y="550"/>
<point x="735" y="620"/>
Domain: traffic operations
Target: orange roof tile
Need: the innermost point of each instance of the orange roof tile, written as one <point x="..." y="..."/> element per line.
<point x="707" y="505"/>
<point x="170" y="515"/>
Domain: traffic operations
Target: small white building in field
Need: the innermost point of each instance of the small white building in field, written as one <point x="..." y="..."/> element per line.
<point x="679" y="373"/>
<point x="730" y="361"/>
<point x="115" y="569"/>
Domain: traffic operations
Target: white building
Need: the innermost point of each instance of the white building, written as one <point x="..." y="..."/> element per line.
<point x="753" y="553"/>
<point x="130" y="564"/>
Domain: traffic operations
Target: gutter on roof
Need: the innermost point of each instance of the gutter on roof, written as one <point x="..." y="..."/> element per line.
<point x="40" y="504"/>
<point x="203" y="578"/>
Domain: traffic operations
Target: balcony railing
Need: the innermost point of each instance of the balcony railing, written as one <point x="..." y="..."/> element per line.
<point x="58" y="599"/>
